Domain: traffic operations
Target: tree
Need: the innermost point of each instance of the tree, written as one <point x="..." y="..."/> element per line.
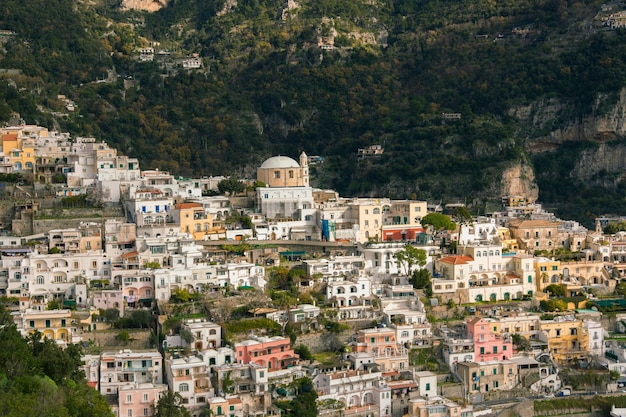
<point x="171" y="405"/>
<point x="438" y="221"/>
<point x="110" y="315"/>
<point x="304" y="403"/>
<point x="421" y="279"/>
<point x="462" y="217"/>
<point x="521" y="342"/>
<point x="230" y="185"/>
<point x="556" y="290"/>
<point x="409" y="257"/>
<point x="303" y="352"/>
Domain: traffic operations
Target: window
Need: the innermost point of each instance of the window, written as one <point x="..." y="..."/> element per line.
<point x="290" y="173"/>
<point x="146" y="412"/>
<point x="558" y="332"/>
<point x="495" y="349"/>
<point x="39" y="280"/>
<point x="145" y="397"/>
<point x="276" y="174"/>
<point x="129" y="398"/>
<point x="32" y="323"/>
<point x="482" y="350"/>
<point x="495" y="371"/>
<point x="427" y="387"/>
<point x="129" y="413"/>
<point x="183" y="387"/>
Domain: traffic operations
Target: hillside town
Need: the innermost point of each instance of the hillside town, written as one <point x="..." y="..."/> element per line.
<point x="241" y="295"/>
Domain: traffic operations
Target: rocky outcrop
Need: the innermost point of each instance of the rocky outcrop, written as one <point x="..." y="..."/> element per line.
<point x="145" y="5"/>
<point x="549" y="126"/>
<point x="519" y="181"/>
<point x="602" y="165"/>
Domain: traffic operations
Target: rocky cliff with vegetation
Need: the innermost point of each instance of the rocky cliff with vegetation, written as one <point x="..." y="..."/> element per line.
<point x="456" y="92"/>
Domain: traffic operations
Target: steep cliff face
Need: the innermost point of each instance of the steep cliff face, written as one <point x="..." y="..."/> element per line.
<point x="549" y="126"/>
<point x="605" y="165"/>
<point x="519" y="181"/>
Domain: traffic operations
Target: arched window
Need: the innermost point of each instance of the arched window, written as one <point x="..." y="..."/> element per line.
<point x="478" y="254"/>
<point x="183" y="387"/>
<point x="376" y="210"/>
<point x="497" y="252"/>
<point x="484" y="253"/>
<point x="148" y="220"/>
<point x="40" y="280"/>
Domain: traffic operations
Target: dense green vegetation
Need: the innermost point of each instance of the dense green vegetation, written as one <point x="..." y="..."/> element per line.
<point x="267" y="88"/>
<point x="38" y="378"/>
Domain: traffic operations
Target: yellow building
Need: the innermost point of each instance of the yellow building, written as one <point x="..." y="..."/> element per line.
<point x="567" y="338"/>
<point x="548" y="272"/>
<point x="18" y="152"/>
<point x="193" y="220"/>
<point x="53" y="324"/>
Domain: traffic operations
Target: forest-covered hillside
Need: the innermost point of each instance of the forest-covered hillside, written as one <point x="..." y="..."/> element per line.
<point x="330" y="77"/>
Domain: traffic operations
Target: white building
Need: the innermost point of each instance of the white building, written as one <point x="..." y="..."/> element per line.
<point x="362" y="390"/>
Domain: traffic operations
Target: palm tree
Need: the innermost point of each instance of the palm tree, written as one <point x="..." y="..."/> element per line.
<point x="171" y="405"/>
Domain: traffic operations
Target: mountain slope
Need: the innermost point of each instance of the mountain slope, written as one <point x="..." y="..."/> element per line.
<point x="330" y="77"/>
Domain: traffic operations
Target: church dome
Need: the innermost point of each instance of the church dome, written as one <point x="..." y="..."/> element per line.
<point x="280" y="162"/>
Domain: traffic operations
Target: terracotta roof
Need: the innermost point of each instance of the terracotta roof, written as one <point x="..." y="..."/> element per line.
<point x="401" y="384"/>
<point x="182" y="206"/>
<point x="534" y="223"/>
<point x="456" y="260"/>
<point x="130" y="255"/>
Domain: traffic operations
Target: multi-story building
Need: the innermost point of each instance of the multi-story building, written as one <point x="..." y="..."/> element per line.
<point x="349" y="293"/>
<point x="489" y="344"/>
<point x="533" y="235"/>
<point x="237" y="379"/>
<point x="483" y="273"/>
<point x="52" y="324"/>
<point x="206" y="335"/>
<point x="124" y="368"/>
<point x="148" y="206"/>
<point x="85" y="238"/>
<point x="570" y="338"/>
<point x="362" y="392"/>
<point x="273" y="352"/>
<point x="139" y="399"/>
<point x="191" y="378"/>
<point x="337" y="268"/>
<point x="383" y="345"/>
<point x="18" y="152"/>
<point x="483" y="377"/>
<point x="193" y="220"/>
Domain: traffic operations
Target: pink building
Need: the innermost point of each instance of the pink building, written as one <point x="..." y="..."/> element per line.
<point x="488" y="344"/>
<point x="139" y="399"/>
<point x="273" y="352"/>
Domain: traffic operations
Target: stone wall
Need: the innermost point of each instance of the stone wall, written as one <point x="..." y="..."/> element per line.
<point x="107" y="339"/>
